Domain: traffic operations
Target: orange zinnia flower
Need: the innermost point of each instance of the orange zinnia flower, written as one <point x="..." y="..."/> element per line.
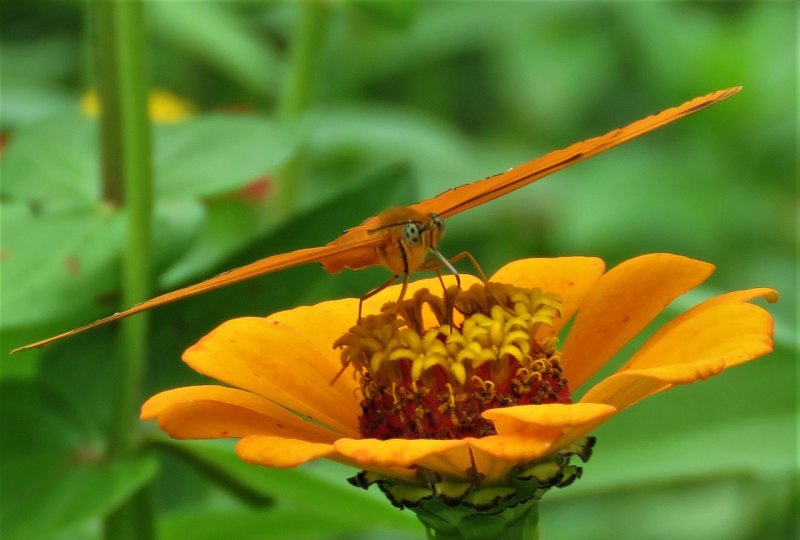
<point x="456" y="410"/>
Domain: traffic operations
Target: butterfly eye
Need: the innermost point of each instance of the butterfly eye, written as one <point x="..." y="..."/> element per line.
<point x="412" y="234"/>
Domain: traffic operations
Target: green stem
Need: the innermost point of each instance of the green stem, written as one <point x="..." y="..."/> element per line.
<point x="520" y="522"/>
<point x="306" y="49"/>
<point x="127" y="180"/>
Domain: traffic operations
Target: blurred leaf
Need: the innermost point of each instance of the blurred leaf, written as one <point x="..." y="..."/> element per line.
<point x="729" y="506"/>
<point x="32" y="75"/>
<point x="392" y="14"/>
<point x="53" y="161"/>
<point x="48" y="58"/>
<point x="218" y="35"/>
<point x="51" y="475"/>
<point x="26" y="101"/>
<point x="251" y="525"/>
<point x="440" y="156"/>
<point x="177" y="223"/>
<point x="229" y="226"/>
<point x="218" y="153"/>
<point x="56" y="264"/>
<point x="342" y="504"/>
<point x="233" y="224"/>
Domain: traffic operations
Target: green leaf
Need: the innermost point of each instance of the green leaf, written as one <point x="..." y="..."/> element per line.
<point x="178" y="222"/>
<point x="253" y="525"/>
<point x="233" y="224"/>
<point x="52" y="477"/>
<point x="218" y="153"/>
<point x="391" y="14"/>
<point x="229" y="226"/>
<point x="53" y="161"/>
<point x="56" y="264"/>
<point x="298" y="488"/>
<point x="440" y="156"/>
<point x="218" y="35"/>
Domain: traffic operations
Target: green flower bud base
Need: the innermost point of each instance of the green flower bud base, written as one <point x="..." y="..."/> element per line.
<point x="461" y="510"/>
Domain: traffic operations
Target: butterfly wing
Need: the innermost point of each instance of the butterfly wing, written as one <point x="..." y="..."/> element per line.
<point x="356" y="248"/>
<point x="457" y="200"/>
<point x="242" y="273"/>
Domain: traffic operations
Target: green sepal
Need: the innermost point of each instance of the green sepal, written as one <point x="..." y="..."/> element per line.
<point x="460" y="510"/>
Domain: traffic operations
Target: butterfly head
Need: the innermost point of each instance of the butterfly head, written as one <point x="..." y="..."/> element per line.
<point x="425" y="234"/>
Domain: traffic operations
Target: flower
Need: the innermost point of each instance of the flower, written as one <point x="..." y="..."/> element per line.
<point x="501" y="386"/>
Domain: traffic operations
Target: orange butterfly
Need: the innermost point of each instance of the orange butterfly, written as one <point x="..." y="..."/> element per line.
<point x="401" y="238"/>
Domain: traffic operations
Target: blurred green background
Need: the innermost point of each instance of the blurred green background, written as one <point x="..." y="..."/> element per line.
<point x="406" y="100"/>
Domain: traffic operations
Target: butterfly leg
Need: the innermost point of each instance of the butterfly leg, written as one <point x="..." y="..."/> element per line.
<point x="467" y="255"/>
<point x="436" y="264"/>
<point x="378" y="289"/>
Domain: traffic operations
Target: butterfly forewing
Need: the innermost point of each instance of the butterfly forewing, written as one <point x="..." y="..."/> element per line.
<point x="468" y="196"/>
<point x="365" y="245"/>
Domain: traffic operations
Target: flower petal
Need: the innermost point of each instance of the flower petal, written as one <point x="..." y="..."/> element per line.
<point x="623" y="302"/>
<point x="571" y="278"/>
<point x="281" y="452"/>
<point x="625" y="388"/>
<point x="268" y="358"/>
<point x="731" y="332"/>
<point x="319" y="326"/>
<point x="512" y="448"/>
<point x="770" y="295"/>
<point x="529" y="419"/>
<point x="394" y="452"/>
<point x="211" y="412"/>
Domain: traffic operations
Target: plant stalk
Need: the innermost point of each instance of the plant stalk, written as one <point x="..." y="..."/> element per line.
<point x="296" y="96"/>
<point x="127" y="182"/>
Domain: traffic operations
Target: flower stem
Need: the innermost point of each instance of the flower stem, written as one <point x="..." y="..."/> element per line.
<point x="306" y="48"/>
<point x="127" y="181"/>
<point x="520" y="522"/>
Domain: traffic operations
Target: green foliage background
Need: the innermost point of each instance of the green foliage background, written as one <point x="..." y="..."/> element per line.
<point x="408" y="99"/>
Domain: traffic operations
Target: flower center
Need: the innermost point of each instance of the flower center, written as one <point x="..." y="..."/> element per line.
<point x="433" y="380"/>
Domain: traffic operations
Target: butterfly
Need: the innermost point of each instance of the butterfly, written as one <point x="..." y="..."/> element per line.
<point x="401" y="238"/>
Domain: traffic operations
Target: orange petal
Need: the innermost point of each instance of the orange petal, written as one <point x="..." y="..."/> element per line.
<point x="280" y="452"/>
<point x="731" y="332"/>
<point x="528" y="419"/>
<point x="368" y="453"/>
<point x="571" y="278"/>
<point x="625" y="388"/>
<point x="319" y="326"/>
<point x="211" y="412"/>
<point x="512" y="448"/>
<point x="268" y="358"/>
<point x="623" y="302"/>
<point x="770" y="295"/>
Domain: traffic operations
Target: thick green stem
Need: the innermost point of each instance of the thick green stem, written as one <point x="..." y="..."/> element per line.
<point x="520" y="522"/>
<point x="127" y="182"/>
<point x="306" y="48"/>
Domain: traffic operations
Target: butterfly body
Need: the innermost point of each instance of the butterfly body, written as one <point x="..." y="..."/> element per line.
<point x="400" y="238"/>
<point x="407" y="234"/>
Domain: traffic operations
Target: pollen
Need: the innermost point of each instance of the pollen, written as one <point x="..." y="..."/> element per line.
<point x="429" y="365"/>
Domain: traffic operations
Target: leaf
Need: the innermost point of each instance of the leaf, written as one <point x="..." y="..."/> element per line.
<point x="216" y="34"/>
<point x="297" y="488"/>
<point x="218" y="153"/>
<point x="57" y="264"/>
<point x="390" y="14"/>
<point x="177" y="223"/>
<point x="52" y="476"/>
<point x="253" y="525"/>
<point x="53" y="161"/>
<point x="234" y="224"/>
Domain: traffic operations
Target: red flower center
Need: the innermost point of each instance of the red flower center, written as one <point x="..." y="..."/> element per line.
<point x="433" y="382"/>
